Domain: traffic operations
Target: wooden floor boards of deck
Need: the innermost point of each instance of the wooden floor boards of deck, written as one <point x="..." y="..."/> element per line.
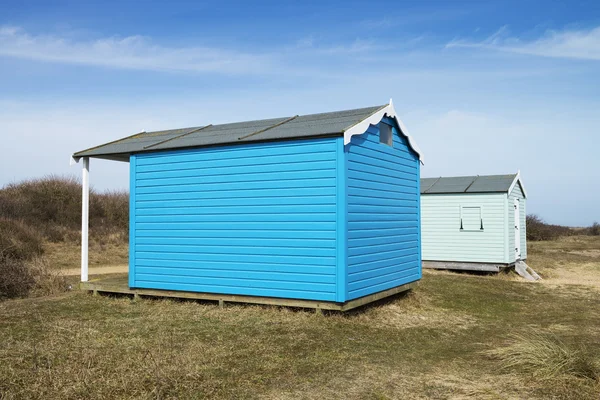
<point x="120" y="284"/>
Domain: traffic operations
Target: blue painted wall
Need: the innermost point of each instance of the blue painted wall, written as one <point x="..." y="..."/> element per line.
<point x="305" y="219"/>
<point x="383" y="213"/>
<point x="255" y="219"/>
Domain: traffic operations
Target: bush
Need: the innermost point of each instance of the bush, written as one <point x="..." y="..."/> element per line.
<point x="51" y="200"/>
<point x="52" y="205"/>
<point x="538" y="229"/>
<point x="46" y="280"/>
<point x="112" y="210"/>
<point x="15" y="278"/>
<point x="21" y="278"/>
<point x="22" y="269"/>
<point x="594" y="230"/>
<point x="18" y="241"/>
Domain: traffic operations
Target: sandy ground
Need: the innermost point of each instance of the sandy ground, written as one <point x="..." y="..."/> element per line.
<point x="107" y="269"/>
<point x="586" y="275"/>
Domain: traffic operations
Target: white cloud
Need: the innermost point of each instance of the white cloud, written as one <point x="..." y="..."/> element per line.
<point x="356" y="47"/>
<point x="380" y="23"/>
<point x="132" y="52"/>
<point x="575" y="44"/>
<point x="141" y="53"/>
<point x="415" y="17"/>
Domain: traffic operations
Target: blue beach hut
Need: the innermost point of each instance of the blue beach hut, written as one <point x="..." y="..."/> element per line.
<point x="320" y="209"/>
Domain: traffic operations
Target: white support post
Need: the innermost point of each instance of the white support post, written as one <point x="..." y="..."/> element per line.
<point x="85" y="215"/>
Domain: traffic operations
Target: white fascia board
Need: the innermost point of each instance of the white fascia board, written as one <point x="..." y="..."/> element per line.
<point x="520" y="182"/>
<point x="388" y="111"/>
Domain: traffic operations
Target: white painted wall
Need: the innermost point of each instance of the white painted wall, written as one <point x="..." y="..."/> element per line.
<point x="442" y="238"/>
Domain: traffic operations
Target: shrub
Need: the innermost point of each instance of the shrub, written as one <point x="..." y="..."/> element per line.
<point x="594" y="230"/>
<point x="15" y="278"/>
<point x="111" y="211"/>
<point x="538" y="229"/>
<point x="52" y="205"/>
<point x="46" y="280"/>
<point x="21" y="278"/>
<point x="22" y="269"/>
<point x="546" y="357"/>
<point x="18" y="241"/>
<point x="51" y="200"/>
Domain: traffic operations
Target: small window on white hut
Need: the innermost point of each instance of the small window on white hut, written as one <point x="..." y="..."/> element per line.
<point x="471" y="218"/>
<point x="385" y="134"/>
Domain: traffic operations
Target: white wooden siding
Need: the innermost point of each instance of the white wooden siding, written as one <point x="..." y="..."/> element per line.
<point x="516" y="193"/>
<point x="440" y="228"/>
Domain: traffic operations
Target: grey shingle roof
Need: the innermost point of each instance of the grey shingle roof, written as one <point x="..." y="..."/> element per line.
<point x="305" y="126"/>
<point x="468" y="184"/>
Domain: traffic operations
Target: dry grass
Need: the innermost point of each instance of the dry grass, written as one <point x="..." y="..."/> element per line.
<point x="434" y="342"/>
<point x="67" y="255"/>
<point x="573" y="260"/>
<point x="415" y="310"/>
<point x="102" y="347"/>
<point x="47" y="281"/>
<point x="545" y="356"/>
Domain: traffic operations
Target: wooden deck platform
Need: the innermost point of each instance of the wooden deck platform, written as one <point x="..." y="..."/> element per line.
<point x="120" y="284"/>
<point x="466" y="266"/>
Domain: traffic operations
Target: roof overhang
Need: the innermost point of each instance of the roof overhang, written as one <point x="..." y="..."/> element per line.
<point x="124" y="157"/>
<point x="387" y="111"/>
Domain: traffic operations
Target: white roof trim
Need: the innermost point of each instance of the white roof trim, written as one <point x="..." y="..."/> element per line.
<point x="517" y="179"/>
<point x="389" y="111"/>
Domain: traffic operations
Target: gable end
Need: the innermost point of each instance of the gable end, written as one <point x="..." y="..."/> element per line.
<point x="374" y="119"/>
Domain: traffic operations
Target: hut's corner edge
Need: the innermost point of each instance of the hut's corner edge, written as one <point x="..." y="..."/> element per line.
<point x="342" y="222"/>
<point x="132" y="185"/>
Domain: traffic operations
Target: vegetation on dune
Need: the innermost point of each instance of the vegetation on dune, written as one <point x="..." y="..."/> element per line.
<point x="15" y="278"/>
<point x="38" y="212"/>
<point x="43" y="203"/>
<point x="538" y="229"/>
<point x="52" y="206"/>
<point x="594" y="230"/>
<point x="19" y="244"/>
<point x="19" y="241"/>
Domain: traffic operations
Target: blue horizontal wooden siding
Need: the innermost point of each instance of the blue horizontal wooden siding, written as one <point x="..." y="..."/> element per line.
<point x="383" y="214"/>
<point x="258" y="219"/>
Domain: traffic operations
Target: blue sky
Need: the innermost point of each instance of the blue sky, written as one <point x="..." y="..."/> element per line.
<point x="484" y="87"/>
